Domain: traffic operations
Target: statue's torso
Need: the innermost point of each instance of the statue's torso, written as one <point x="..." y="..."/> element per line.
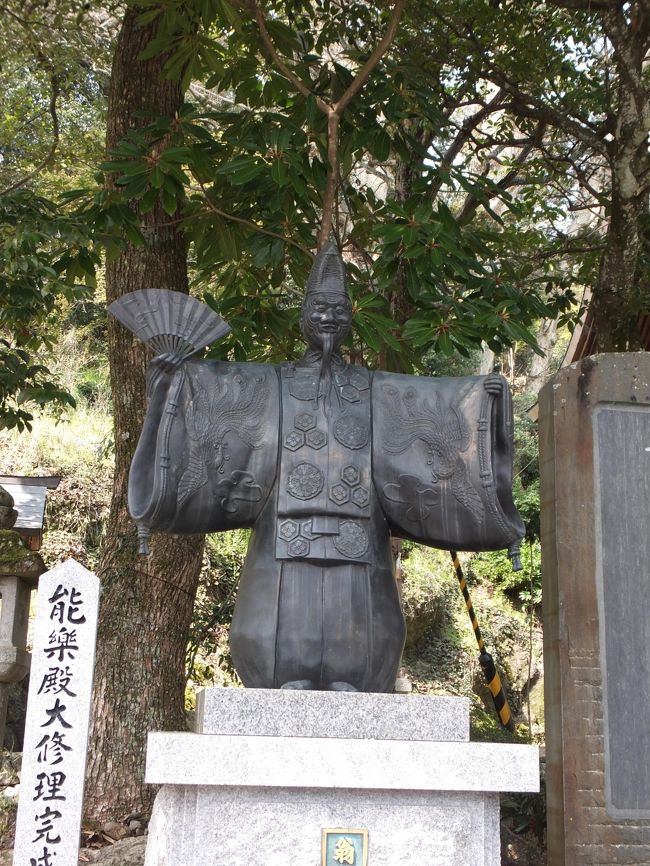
<point x="324" y="479"/>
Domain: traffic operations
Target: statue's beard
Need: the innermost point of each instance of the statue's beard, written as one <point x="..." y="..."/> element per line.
<point x="325" y="377"/>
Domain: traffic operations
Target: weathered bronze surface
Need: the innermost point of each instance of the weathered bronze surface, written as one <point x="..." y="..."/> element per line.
<point x="325" y="461"/>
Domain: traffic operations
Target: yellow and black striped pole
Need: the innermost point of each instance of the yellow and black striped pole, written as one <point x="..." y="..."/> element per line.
<point x="486" y="661"/>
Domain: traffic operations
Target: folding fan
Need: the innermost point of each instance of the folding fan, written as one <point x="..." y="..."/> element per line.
<point x="169" y="322"/>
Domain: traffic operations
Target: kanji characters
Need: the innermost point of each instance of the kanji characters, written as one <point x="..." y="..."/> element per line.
<point x="45" y="826"/>
<point x="55" y="714"/>
<point x="57" y="680"/>
<point x="51" y="748"/>
<point x="62" y="642"/>
<point x="45" y="860"/>
<point x="49" y="786"/>
<point x="344" y="851"/>
<point x="66" y="602"/>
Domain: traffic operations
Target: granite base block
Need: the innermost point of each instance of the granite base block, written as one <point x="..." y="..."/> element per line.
<point x="355" y="715"/>
<point x="320" y="762"/>
<point x="276" y="827"/>
<point x="278" y="768"/>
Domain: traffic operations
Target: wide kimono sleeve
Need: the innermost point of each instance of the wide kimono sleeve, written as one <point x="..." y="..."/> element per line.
<point x="442" y="460"/>
<point x="207" y="456"/>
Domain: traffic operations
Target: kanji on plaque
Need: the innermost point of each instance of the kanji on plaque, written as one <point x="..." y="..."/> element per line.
<point x="58" y="708"/>
<point x="344" y="851"/>
<point x="344" y="847"/>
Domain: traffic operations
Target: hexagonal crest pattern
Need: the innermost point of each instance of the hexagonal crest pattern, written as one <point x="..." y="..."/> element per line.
<point x="316" y="438"/>
<point x="358" y="380"/>
<point x="360" y="496"/>
<point x="294" y="440"/>
<point x="351" y="475"/>
<point x="288" y="530"/>
<point x="305" y="421"/>
<point x="339" y="493"/>
<point x="350" y="393"/>
<point x="299" y="547"/>
<point x="305" y="529"/>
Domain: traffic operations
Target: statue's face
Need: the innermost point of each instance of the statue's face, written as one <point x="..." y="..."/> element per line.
<point x="325" y="313"/>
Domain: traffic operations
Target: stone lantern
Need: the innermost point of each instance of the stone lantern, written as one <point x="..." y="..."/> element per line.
<point x="20" y="569"/>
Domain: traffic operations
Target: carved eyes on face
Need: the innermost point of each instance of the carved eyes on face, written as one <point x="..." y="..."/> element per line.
<point x="329" y="317"/>
<point x="340" y="310"/>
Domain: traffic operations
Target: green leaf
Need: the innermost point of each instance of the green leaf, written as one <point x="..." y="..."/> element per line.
<point x="156" y="177"/>
<point x="279" y="172"/>
<point x="230" y="14"/>
<point x="311" y="111"/>
<point x="175" y="154"/>
<point x="381" y="146"/>
<point x="148" y="200"/>
<point x="169" y="202"/>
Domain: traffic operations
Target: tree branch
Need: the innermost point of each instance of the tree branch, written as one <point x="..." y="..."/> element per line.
<point x="54" y="95"/>
<point x="471" y="204"/>
<point x="300" y="86"/>
<point x="333" y="111"/>
<point x="464" y="134"/>
<point x="378" y="52"/>
<point x="331" y="184"/>
<point x="249" y="223"/>
<point x="585" y="5"/>
<point x="526" y="104"/>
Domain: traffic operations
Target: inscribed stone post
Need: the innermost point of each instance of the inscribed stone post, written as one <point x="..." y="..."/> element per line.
<point x="595" y="486"/>
<point x="54" y="753"/>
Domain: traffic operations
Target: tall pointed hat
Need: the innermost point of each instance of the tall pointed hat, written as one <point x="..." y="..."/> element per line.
<point x="327" y="274"/>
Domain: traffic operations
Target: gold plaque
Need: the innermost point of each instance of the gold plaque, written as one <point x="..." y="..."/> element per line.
<point x="344" y="847"/>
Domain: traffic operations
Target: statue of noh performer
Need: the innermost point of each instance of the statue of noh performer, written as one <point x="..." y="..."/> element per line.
<point x="325" y="461"/>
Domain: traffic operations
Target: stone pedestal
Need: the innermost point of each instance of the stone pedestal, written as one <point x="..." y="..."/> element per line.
<point x="595" y="486"/>
<point x="272" y="769"/>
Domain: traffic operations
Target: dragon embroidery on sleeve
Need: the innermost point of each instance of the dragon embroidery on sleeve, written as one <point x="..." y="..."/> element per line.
<point x="237" y="405"/>
<point x="445" y="435"/>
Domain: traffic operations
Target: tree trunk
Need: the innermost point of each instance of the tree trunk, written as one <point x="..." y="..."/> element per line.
<point x="621" y="291"/>
<point x="399" y="301"/>
<point x="486" y="364"/>
<point x="617" y="299"/>
<point x="147" y="604"/>
<point x="539" y="366"/>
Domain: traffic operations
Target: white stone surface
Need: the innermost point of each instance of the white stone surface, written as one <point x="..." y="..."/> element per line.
<point x="275" y="827"/>
<point x="318" y="762"/>
<point x="56" y="732"/>
<point x="278" y="767"/>
<point x="286" y="713"/>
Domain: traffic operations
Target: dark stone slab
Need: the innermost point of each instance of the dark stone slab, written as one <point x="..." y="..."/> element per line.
<point x="623" y="510"/>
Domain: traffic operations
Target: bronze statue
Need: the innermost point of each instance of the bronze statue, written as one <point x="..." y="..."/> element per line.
<point x="325" y="461"/>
